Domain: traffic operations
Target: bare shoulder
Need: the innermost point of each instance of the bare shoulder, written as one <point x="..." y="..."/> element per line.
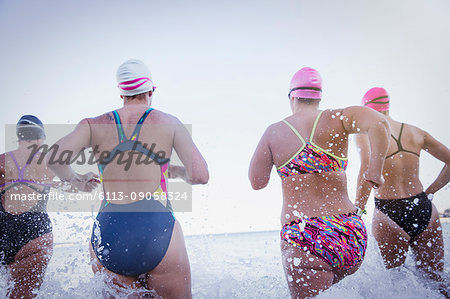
<point x="101" y="119"/>
<point x="415" y="130"/>
<point x="416" y="133"/>
<point x="275" y="129"/>
<point x="353" y="109"/>
<point x="336" y="112"/>
<point x="348" y="114"/>
<point x="165" y="118"/>
<point x="335" y="115"/>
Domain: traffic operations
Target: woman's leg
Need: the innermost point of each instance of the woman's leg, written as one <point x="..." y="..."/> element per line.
<point x="307" y="275"/>
<point x="170" y="279"/>
<point x="428" y="247"/>
<point x="124" y="286"/>
<point x="392" y="240"/>
<point x="30" y="263"/>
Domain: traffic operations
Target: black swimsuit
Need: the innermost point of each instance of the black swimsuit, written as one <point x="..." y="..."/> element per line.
<point x="18" y="230"/>
<point x="412" y="214"/>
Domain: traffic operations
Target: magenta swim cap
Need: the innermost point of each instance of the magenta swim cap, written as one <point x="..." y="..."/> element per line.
<point x="376" y="98"/>
<point x="306" y="84"/>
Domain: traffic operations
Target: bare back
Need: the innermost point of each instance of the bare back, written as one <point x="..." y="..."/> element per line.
<point x="125" y="177"/>
<point x="401" y="168"/>
<point x="33" y="172"/>
<point x="316" y="193"/>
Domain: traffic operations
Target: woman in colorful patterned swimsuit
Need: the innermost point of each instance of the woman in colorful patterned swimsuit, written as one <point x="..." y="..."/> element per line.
<point x="323" y="239"/>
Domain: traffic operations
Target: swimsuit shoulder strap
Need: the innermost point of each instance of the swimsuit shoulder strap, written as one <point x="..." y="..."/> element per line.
<point x="14" y="159"/>
<point x="400" y="135"/>
<point x="137" y="129"/>
<point x="20" y="169"/>
<point x="399" y="144"/>
<point x="295" y="131"/>
<point x="397" y="140"/>
<point x="126" y="144"/>
<point x="119" y="127"/>
<point x="315" y="126"/>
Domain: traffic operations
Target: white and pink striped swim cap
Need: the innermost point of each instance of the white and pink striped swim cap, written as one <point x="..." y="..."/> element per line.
<point x="133" y="77"/>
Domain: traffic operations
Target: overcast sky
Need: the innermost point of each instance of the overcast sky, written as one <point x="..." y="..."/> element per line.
<point x="225" y="67"/>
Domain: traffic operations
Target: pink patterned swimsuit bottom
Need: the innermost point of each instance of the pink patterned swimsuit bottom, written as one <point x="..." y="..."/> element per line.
<point x="340" y="240"/>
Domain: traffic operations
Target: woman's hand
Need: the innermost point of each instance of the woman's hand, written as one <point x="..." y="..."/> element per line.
<point x="177" y="172"/>
<point x="374" y="179"/>
<point x="85" y="182"/>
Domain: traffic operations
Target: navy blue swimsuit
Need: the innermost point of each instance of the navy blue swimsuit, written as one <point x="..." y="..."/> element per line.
<point x="132" y="239"/>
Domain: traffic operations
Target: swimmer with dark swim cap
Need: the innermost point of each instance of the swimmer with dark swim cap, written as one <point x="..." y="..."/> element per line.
<point x="404" y="216"/>
<point x="29" y="127"/>
<point x="26" y="239"/>
<point x="323" y="236"/>
<point x="138" y="242"/>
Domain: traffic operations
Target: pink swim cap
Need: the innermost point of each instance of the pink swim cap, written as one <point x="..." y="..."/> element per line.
<point x="376" y="98"/>
<point x="306" y="84"/>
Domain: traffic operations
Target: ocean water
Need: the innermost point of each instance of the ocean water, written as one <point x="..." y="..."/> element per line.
<point x="242" y="265"/>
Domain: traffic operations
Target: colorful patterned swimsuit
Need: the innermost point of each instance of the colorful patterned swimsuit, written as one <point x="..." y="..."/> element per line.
<point x="340" y="240"/>
<point x="311" y="158"/>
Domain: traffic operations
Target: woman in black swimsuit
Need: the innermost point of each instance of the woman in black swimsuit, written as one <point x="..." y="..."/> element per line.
<point x="404" y="216"/>
<point x="26" y="239"/>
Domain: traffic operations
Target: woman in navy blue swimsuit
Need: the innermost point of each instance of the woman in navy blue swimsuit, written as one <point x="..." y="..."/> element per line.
<point x="137" y="241"/>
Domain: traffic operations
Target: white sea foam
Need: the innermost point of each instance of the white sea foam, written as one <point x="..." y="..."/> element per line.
<point x="245" y="265"/>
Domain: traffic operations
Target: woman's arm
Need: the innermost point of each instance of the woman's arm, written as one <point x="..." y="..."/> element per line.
<point x="73" y="143"/>
<point x="176" y="171"/>
<point x="261" y="164"/>
<point x="2" y="169"/>
<point x="442" y="153"/>
<point x="195" y="170"/>
<point x="365" y="120"/>
<point x="363" y="188"/>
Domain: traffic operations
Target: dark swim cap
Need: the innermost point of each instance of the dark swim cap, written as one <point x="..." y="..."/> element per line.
<point x="29" y="127"/>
